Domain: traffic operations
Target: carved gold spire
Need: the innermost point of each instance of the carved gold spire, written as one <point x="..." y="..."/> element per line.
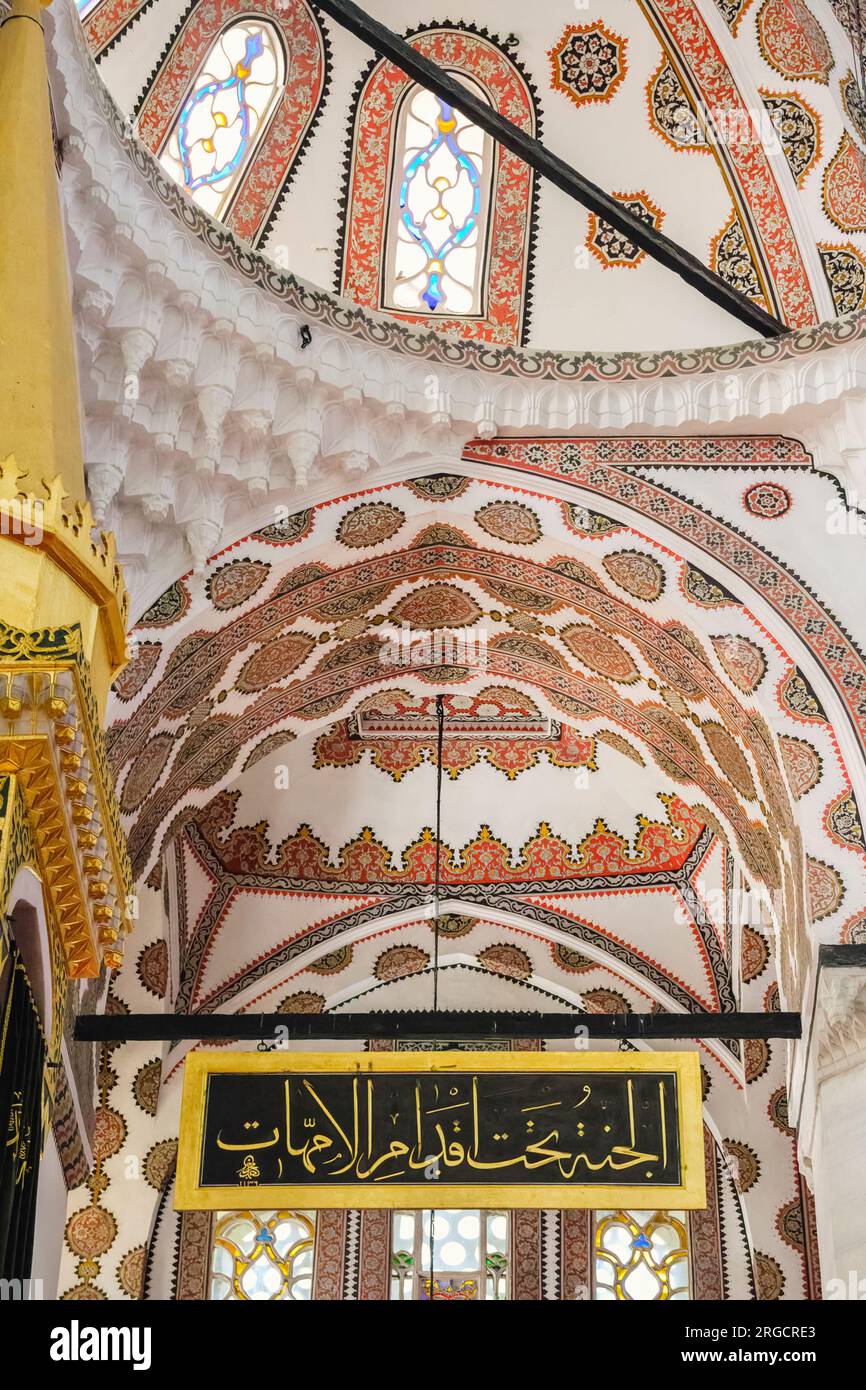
<point x="63" y="602"/>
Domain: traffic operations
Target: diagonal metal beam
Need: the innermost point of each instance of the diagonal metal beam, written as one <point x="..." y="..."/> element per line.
<point x="672" y="256"/>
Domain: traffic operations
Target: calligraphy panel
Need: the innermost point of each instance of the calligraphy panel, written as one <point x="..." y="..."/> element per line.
<point x="444" y="1129"/>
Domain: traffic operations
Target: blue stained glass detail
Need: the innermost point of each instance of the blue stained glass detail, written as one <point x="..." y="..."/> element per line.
<point x="253" y="49"/>
<point x="433" y="293"/>
<point x="641" y="1243"/>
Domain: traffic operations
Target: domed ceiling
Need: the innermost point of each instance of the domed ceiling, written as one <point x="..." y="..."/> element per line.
<point x="735" y="127"/>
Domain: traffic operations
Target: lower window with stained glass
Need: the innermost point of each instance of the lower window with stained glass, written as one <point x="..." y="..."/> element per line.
<point x="641" y="1256"/>
<point x="470" y="1256"/>
<point x="263" y="1255"/>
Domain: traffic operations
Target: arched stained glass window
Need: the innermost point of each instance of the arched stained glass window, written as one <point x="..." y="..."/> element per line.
<point x="641" y="1256"/>
<point x="230" y="108"/>
<point x="226" y="113"/>
<point x="263" y="1256"/>
<point x="439" y="217"/>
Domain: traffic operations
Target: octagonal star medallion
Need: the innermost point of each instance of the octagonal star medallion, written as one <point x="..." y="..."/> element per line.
<point x="588" y="63"/>
<point x="611" y="247"/>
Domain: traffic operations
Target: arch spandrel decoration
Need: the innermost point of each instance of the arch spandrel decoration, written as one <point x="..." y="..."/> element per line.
<point x="369" y="194"/>
<point x="282" y="126"/>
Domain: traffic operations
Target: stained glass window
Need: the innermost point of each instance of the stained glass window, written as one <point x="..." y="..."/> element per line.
<point x="263" y="1255"/>
<point x="226" y="113"/>
<point x="641" y="1256"/>
<point x="85" y="6"/>
<point x="440" y="210"/>
<point x="470" y="1256"/>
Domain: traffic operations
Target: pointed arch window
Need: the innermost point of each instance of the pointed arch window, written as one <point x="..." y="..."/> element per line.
<point x="229" y="110"/>
<point x="438" y="219"/>
<point x="226" y="113"/>
<point x="438" y="222"/>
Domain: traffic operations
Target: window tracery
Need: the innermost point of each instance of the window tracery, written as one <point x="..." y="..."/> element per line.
<point x="263" y="1256"/>
<point x="641" y="1256"/>
<point x="437" y="227"/>
<point x="223" y="118"/>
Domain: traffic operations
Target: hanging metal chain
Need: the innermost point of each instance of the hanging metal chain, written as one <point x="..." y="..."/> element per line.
<point x="437" y="886"/>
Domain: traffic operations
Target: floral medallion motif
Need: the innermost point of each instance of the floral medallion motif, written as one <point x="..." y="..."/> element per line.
<point x="233" y="584"/>
<point x="288" y="530"/>
<point x="399" y="961"/>
<point x="824" y="887"/>
<point x="274" y="661"/>
<point x="91" y="1232"/>
<point x="798" y="129"/>
<point x="370" y="524"/>
<point x="769" y="1279"/>
<point x="792" y="41"/>
<point x="605" y="1001"/>
<point x="130" y="1271"/>
<point x="853" y="103"/>
<point x="135" y="676"/>
<point x="333" y="962"/>
<point x="639" y="574"/>
<point x="455" y="924"/>
<point x="845" y="187"/>
<point x="153" y="968"/>
<point x="731" y="257"/>
<point x="145" y="1087"/>
<point x="777" y="1110"/>
<point x="789" y="1224"/>
<point x="600" y="653"/>
<point x="767" y="500"/>
<point x="746" y="1164"/>
<point x="439" y="487"/>
<point x="802" y="764"/>
<point x="505" y="959"/>
<point x="755" y="954"/>
<point x="842" y="821"/>
<point x="799" y="699"/>
<point x="169" y="608"/>
<point x="303" y="1001"/>
<point x="671" y="114"/>
<point x="588" y="63"/>
<point x="146" y="771"/>
<point x="568" y="959"/>
<point x="742" y="660"/>
<point x="756" y="1055"/>
<point x="613" y="248"/>
<point x="510" y="521"/>
<point x="159" y="1163"/>
<point x="845" y="269"/>
<point x="436" y="606"/>
<point x="109" y="1132"/>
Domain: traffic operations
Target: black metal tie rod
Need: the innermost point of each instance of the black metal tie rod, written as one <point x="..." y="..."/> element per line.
<point x="426" y="1025"/>
<point x="443" y="85"/>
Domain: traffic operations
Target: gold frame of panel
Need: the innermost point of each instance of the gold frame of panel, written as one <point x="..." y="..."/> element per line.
<point x="688" y="1195"/>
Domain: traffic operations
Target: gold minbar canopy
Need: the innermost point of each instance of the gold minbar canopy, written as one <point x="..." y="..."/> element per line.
<point x="444" y="1129"/>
